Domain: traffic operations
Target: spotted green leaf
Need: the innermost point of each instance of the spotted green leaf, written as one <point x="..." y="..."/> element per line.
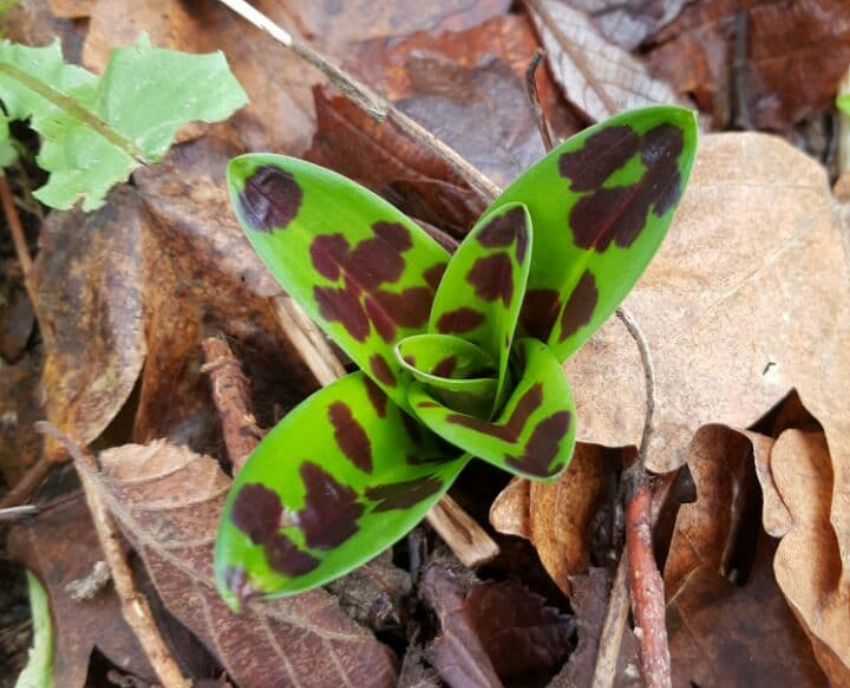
<point x="357" y="265"/>
<point x="600" y="204"/>
<point x="532" y="436"/>
<point x="341" y="478"/>
<point x="481" y="292"/>
<point x="457" y="372"/>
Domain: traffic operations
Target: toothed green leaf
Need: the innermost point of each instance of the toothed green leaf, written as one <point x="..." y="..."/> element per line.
<point x="357" y="265"/>
<point x="600" y="203"/>
<point x="534" y="434"/>
<point x="97" y="129"/>
<point x="480" y="295"/>
<point x="339" y="480"/>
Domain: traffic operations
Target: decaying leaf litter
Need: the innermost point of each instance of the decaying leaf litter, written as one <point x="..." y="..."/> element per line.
<point x="743" y="305"/>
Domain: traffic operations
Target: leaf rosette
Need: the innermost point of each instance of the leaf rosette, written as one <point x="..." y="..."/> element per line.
<point x="460" y="355"/>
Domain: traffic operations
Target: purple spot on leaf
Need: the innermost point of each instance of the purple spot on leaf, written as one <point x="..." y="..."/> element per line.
<point x="350" y="436"/>
<point x="492" y="277"/>
<point x="403" y="495"/>
<point x="580" y="306"/>
<point x="270" y="200"/>
<point x="331" y="509"/>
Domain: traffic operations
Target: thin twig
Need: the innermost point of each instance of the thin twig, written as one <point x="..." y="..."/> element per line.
<point x="308" y="341"/>
<point x="649" y="381"/>
<point x="134" y="606"/>
<point x="231" y="393"/>
<point x="17" y="513"/>
<point x="16" y="228"/>
<point x="611" y="638"/>
<point x="363" y="96"/>
<point x="534" y="99"/>
<point x="646" y="588"/>
<point x="28" y="483"/>
<point x="575" y="56"/>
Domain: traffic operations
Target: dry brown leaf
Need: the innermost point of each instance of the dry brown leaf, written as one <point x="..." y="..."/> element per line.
<point x="280" y="115"/>
<point x="708" y="532"/>
<point x="807" y="562"/>
<point x="781" y="60"/>
<point x="558" y="518"/>
<point x="629" y="24"/>
<point x="32" y="22"/>
<point x="378" y="156"/>
<point x="168" y="500"/>
<point x="738" y="636"/>
<point x="88" y="282"/>
<point x="20" y="445"/>
<point x="746" y="299"/>
<point x="457" y="653"/>
<point x="336" y="25"/>
<point x="16" y="315"/>
<point x="598" y="77"/>
<point x="591" y="593"/>
<point x="60" y="547"/>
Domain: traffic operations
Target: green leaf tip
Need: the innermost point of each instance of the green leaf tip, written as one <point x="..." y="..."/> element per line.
<point x="460" y="355"/>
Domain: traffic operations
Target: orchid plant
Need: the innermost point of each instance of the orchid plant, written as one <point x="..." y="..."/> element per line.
<point x="460" y="356"/>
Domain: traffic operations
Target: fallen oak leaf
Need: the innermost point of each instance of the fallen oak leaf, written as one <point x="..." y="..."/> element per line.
<point x="598" y="77"/>
<point x="167" y="500"/>
<point x="807" y="563"/>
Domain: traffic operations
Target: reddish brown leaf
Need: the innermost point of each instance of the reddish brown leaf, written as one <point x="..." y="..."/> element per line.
<point x="782" y="60"/>
<point x="458" y="653"/>
<point x="526" y="640"/>
<point x="168" y="501"/>
<point x="60" y="547"/>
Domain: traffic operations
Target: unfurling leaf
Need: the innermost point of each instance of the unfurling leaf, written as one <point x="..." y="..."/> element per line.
<point x="459" y="357"/>
<point x="97" y="130"/>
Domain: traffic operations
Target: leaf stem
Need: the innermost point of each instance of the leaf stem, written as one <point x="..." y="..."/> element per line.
<point x="73" y="108"/>
<point x="16" y="228"/>
<point x="134" y="606"/>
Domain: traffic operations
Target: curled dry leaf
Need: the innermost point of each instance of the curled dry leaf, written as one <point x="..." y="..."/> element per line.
<point x="808" y="562"/>
<point x="558" y="518"/>
<point x="741" y="304"/>
<point x="89" y="265"/>
<point x="708" y="532"/>
<point x="168" y="501"/>
<point x="598" y="77"/>
<point x="739" y="635"/>
<point x="762" y="64"/>
<point x="723" y="597"/>
<point x="60" y="547"/>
